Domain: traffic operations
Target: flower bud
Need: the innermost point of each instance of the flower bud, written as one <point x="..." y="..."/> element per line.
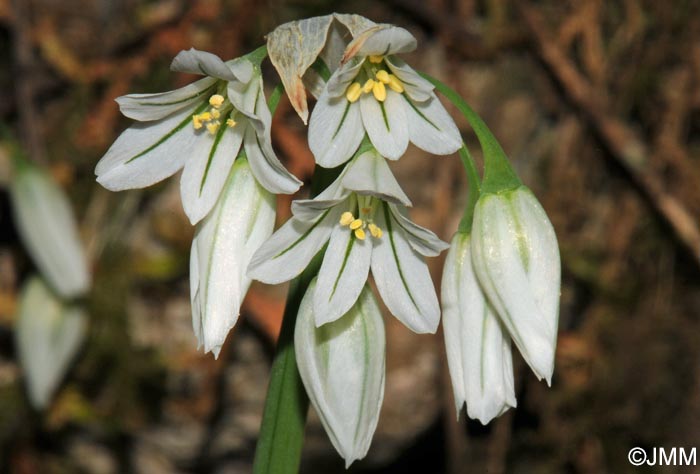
<point x="516" y="260"/>
<point x="48" y="335"/>
<point x="224" y="242"/>
<point x="478" y="348"/>
<point x="47" y="226"/>
<point x="342" y="366"/>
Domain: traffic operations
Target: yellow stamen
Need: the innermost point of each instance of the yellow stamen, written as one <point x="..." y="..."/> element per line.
<point x="356" y="224"/>
<point x="346" y="218"/>
<point x="379" y="91"/>
<point x="368" y="86"/>
<point x="382" y="76"/>
<point x="212" y="127"/>
<point x="360" y="234"/>
<point x="216" y="100"/>
<point x="205" y="116"/>
<point x="230" y="122"/>
<point x="196" y="122"/>
<point x="353" y="92"/>
<point x="215" y="113"/>
<point x="375" y="231"/>
<point x="395" y="84"/>
<point x="376" y="59"/>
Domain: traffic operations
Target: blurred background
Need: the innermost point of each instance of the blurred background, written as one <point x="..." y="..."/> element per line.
<point x="597" y="103"/>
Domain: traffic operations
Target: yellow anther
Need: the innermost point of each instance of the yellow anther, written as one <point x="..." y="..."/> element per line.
<point x="205" y="116"/>
<point x="360" y="234"/>
<point x="196" y="122"/>
<point x="376" y="59"/>
<point x="395" y="84"/>
<point x="215" y="113"/>
<point x="353" y="92"/>
<point x="375" y="231"/>
<point x="379" y="91"/>
<point x="212" y="127"/>
<point x="368" y="86"/>
<point x="216" y="100"/>
<point x="346" y="218"/>
<point x="356" y="224"/>
<point x="382" y="76"/>
<point x="230" y="122"/>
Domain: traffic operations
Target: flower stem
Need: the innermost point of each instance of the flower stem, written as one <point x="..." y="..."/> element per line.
<point x="498" y="173"/>
<point x="282" y="430"/>
<point x="465" y="225"/>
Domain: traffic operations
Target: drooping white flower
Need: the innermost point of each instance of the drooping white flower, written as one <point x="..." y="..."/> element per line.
<point x="242" y="219"/>
<point x="374" y="91"/>
<point x="48" y="335"/>
<point x="362" y="217"/>
<point x="478" y="348"/>
<point x="200" y="127"/>
<point x="342" y="365"/>
<point x="516" y="259"/>
<point x="47" y="226"/>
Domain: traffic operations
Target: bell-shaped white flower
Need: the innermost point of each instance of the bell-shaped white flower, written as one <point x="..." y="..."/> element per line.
<point x="242" y="219"/>
<point x="48" y="335"/>
<point x="374" y="91"/>
<point x="362" y="216"/>
<point x="200" y="127"/>
<point x="516" y="259"/>
<point x="478" y="348"/>
<point x="342" y="367"/>
<point x="47" y="226"/>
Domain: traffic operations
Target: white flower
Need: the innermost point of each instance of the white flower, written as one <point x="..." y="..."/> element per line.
<point x="478" y="348"/>
<point x="48" y="335"/>
<point x="224" y="242"/>
<point x="362" y="217"/>
<point x="516" y="259"/>
<point x="199" y="127"/>
<point x="342" y="367"/>
<point x="46" y="223"/>
<point x="374" y="91"/>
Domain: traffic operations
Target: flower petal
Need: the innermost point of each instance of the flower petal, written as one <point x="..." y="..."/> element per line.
<point x="504" y="258"/>
<point x="431" y="128"/>
<point x="423" y="240"/>
<point x="342" y="365"/>
<point x="47" y="226"/>
<point x="415" y="86"/>
<point x="370" y="174"/>
<point x="381" y="40"/>
<point x="385" y="123"/>
<point x="342" y="276"/>
<point x="291" y="248"/>
<point x="48" y="336"/>
<point x="201" y="62"/>
<point x="335" y="130"/>
<point x="148" y="152"/>
<point x="342" y="78"/>
<point x="207" y="170"/>
<point x="224" y="244"/>
<point x="402" y="277"/>
<point x="147" y="107"/>
<point x="268" y="169"/>
<point x="478" y="350"/>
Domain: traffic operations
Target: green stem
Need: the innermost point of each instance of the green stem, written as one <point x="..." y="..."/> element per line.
<point x="498" y="173"/>
<point x="282" y="430"/>
<point x="465" y="225"/>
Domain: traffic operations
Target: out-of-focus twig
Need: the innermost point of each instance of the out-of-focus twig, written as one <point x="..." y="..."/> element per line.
<point x="24" y="73"/>
<point x="626" y="146"/>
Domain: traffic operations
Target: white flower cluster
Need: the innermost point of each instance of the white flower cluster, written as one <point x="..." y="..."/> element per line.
<point x="501" y="282"/>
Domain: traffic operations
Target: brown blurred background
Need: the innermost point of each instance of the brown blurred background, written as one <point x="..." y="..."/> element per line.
<point x="596" y="102"/>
